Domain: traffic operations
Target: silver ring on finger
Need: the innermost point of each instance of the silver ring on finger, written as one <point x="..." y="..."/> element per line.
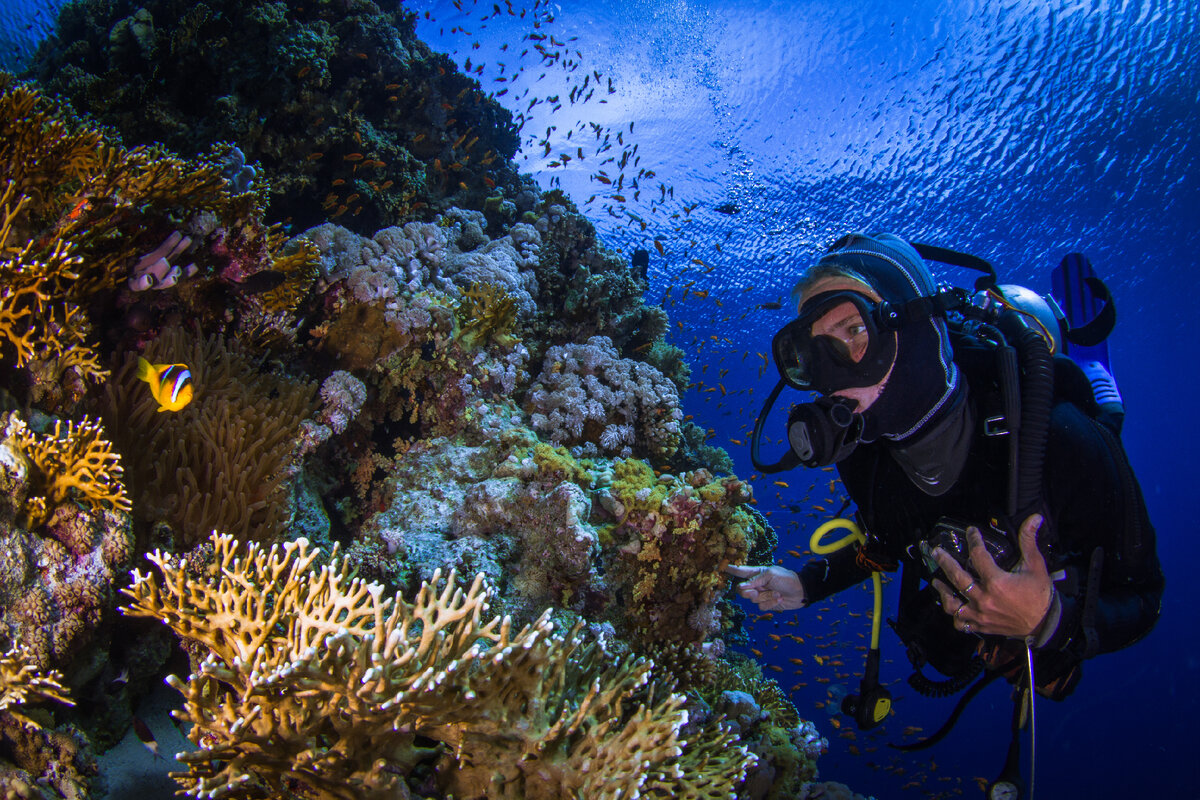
<point x="960" y="610"/>
<point x="966" y="627"/>
<point x="970" y="586"/>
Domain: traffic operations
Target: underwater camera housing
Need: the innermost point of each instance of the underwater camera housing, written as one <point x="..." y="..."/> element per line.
<point x="951" y="535"/>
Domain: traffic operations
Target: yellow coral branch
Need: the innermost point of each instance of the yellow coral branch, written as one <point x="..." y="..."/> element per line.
<point x="344" y="681"/>
<point x="21" y="681"/>
<point x="77" y="461"/>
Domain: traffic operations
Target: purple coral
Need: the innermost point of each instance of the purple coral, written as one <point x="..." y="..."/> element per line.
<point x="343" y="396"/>
<point x="590" y="398"/>
<point x="155" y="270"/>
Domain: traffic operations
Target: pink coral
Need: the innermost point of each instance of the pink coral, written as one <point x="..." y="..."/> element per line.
<point x="587" y="396"/>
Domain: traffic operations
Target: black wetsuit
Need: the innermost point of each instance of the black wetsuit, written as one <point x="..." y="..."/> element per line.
<point x="1091" y="500"/>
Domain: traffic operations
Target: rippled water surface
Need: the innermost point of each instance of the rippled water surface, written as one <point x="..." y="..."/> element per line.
<point x="1018" y="131"/>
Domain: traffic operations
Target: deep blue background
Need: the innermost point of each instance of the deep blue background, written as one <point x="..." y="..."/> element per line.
<point x="1016" y="130"/>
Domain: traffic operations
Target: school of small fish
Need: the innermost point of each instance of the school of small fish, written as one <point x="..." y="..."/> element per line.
<point x="824" y="656"/>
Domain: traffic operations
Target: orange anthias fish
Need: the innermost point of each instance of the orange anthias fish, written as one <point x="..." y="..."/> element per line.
<point x="170" y="384"/>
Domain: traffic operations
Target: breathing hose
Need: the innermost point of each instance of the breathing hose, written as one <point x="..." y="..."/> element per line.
<point x="1037" y="398"/>
<point x="854" y="534"/>
<point x="873" y="702"/>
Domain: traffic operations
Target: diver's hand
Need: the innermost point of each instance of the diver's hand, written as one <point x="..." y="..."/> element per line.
<point x="998" y="602"/>
<point x="772" y="588"/>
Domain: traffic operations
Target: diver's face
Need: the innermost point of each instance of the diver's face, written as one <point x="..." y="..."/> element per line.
<point x="844" y="325"/>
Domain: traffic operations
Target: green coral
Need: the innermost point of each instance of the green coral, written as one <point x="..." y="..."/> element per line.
<point x="349" y="114"/>
<point x="675" y="534"/>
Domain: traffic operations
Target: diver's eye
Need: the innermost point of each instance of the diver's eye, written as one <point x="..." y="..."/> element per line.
<point x="856" y="330"/>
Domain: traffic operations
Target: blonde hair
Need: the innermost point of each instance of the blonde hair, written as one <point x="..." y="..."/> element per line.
<point x="820" y="272"/>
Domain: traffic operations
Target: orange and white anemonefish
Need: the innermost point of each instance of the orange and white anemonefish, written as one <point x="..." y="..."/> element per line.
<point x="170" y="384"/>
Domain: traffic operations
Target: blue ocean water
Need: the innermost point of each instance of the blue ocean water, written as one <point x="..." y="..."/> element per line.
<point x="1018" y="131"/>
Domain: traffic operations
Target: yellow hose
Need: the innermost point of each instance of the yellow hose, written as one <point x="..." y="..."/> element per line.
<point x="854" y="535"/>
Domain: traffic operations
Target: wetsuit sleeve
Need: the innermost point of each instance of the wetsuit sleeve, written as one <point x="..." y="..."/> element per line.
<point x="831" y="574"/>
<point x="1104" y="537"/>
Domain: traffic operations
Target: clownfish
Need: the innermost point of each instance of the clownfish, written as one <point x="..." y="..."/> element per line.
<point x="170" y="384"/>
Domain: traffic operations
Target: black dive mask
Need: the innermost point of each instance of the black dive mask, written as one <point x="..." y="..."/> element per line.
<point x="840" y="340"/>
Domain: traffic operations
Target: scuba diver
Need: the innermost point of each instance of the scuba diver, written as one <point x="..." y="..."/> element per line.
<point x="980" y="459"/>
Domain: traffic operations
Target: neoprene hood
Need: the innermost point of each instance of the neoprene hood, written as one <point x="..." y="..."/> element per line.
<point x="925" y="379"/>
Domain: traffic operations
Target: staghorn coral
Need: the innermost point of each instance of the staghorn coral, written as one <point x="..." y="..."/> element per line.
<point x="222" y="462"/>
<point x="587" y="396"/>
<point x="74" y="463"/>
<point x="318" y="685"/>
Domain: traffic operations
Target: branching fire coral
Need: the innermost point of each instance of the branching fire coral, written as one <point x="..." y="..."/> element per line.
<point x="21" y="682"/>
<point x="33" y="318"/>
<point x="75" y="462"/>
<point x="317" y="685"/>
<point x="76" y="212"/>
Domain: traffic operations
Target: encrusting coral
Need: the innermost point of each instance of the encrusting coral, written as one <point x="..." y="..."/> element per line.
<point x="318" y="685"/>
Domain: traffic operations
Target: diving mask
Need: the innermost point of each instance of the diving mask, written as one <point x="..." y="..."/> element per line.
<point x="840" y="340"/>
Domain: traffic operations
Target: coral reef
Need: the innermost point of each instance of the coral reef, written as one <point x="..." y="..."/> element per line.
<point x="433" y="278"/>
<point x="221" y="462"/>
<point x="56" y="584"/>
<point x="349" y="114"/>
<point x="673" y="536"/>
<point x="587" y="396"/>
<point x="318" y="682"/>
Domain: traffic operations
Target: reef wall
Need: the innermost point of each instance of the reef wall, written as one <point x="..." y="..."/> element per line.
<point x="268" y="271"/>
